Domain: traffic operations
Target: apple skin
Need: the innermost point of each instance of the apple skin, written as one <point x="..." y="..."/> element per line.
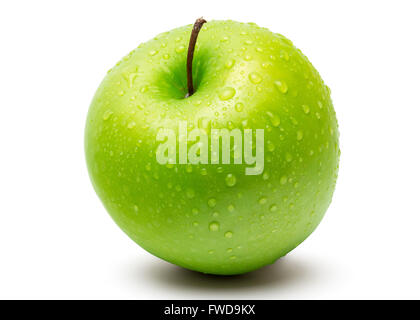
<point x="188" y="214"/>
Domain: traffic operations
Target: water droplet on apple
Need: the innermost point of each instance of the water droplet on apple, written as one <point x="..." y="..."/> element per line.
<point x="229" y="234"/>
<point x="131" y="125"/>
<point x="214" y="226"/>
<point x="180" y="49"/>
<point x="284" y="55"/>
<point x="230" y="180"/>
<point x="299" y="135"/>
<point x="273" y="208"/>
<point x="239" y="106"/>
<point x="281" y="86"/>
<point x="153" y="52"/>
<point x="266" y="176"/>
<point x="270" y="146"/>
<point x="144" y="89"/>
<point x="107" y="114"/>
<point x="229" y="64"/>
<point x="283" y="180"/>
<point x="190" y="193"/>
<point x="306" y="109"/>
<point x="231" y="208"/>
<point x="212" y="202"/>
<point x="254" y="77"/>
<point x="275" y="120"/>
<point x="262" y="200"/>
<point x="227" y="93"/>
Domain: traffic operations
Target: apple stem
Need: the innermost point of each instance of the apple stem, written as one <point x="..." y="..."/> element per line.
<point x="193" y="39"/>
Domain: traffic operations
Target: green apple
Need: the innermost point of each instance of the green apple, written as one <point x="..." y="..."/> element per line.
<point x="214" y="218"/>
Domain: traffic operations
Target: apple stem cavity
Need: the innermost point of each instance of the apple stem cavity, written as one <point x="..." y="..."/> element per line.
<point x="193" y="39"/>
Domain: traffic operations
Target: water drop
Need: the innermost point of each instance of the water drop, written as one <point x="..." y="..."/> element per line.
<point x="144" y="89"/>
<point x="229" y="234"/>
<point x="214" y="226"/>
<point x="281" y="86"/>
<point x="180" y="49"/>
<point x="231" y="208"/>
<point x="255" y="77"/>
<point x="212" y="202"/>
<point x="227" y="93"/>
<point x="229" y="64"/>
<point x="273" y="208"/>
<point x="283" y="180"/>
<point x="190" y="193"/>
<point x="107" y="114"/>
<point x="275" y="120"/>
<point x="299" y="135"/>
<point x="131" y="125"/>
<point x="305" y="109"/>
<point x="262" y="200"/>
<point x="230" y="180"/>
<point x="239" y="106"/>
<point x="152" y="52"/>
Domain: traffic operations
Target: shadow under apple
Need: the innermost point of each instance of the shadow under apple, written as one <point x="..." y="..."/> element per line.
<point x="286" y="272"/>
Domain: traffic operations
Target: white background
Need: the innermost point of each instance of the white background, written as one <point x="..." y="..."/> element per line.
<point x="56" y="239"/>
